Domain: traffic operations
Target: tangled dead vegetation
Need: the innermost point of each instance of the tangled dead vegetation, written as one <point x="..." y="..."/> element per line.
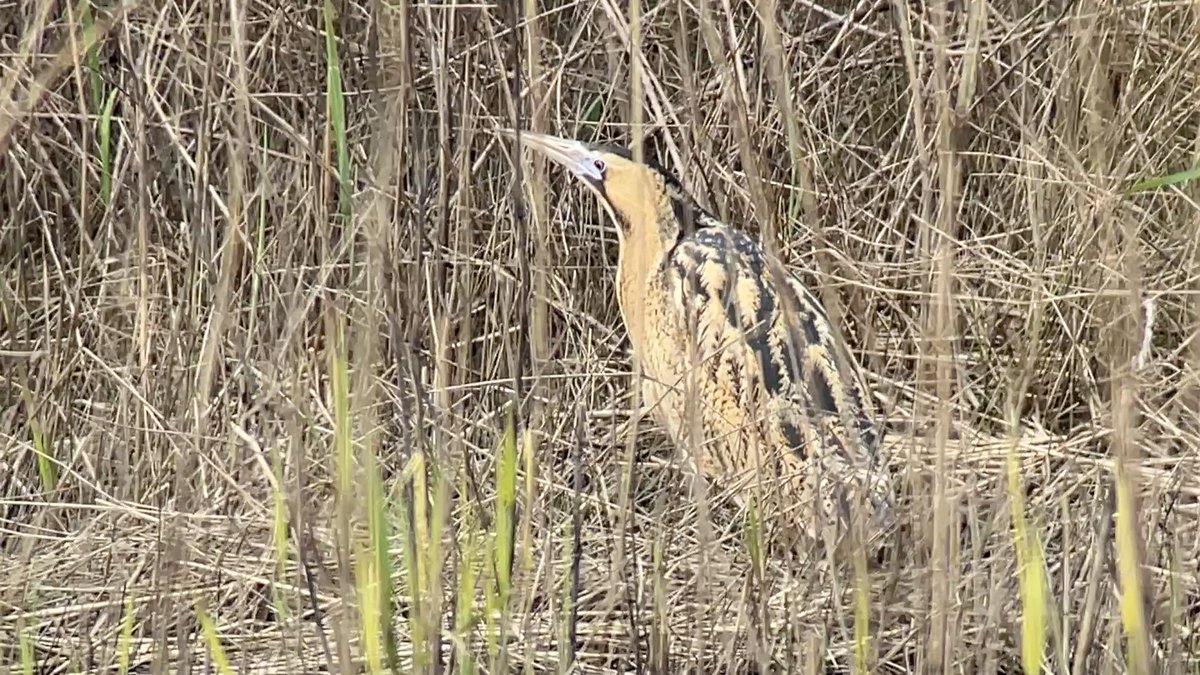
<point x="201" y="324"/>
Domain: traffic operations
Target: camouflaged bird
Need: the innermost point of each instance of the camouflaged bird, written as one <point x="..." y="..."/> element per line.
<point x="780" y="403"/>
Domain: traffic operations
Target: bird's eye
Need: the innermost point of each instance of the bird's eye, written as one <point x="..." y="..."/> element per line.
<point x="599" y="164"/>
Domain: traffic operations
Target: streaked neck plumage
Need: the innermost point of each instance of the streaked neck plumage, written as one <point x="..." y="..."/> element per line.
<point x="650" y="227"/>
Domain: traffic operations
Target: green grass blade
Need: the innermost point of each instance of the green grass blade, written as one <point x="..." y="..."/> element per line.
<point x="378" y="533"/>
<point x="125" y="646"/>
<point x="408" y="573"/>
<point x="506" y="492"/>
<point x="1132" y="608"/>
<point x="28" y="659"/>
<point x="279" y="531"/>
<point x="1030" y="571"/>
<point x="106" y="169"/>
<point x="422" y="631"/>
<point x="1156" y="182"/>
<point x="465" y="617"/>
<point x="503" y="538"/>
<point x="215" y="650"/>
<point x="336" y="100"/>
<point x="43" y="447"/>
<point x="862" y="613"/>
<point x="92" y="59"/>
<point x="367" y="587"/>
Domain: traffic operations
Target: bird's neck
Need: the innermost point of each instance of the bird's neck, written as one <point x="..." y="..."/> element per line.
<point x="639" y="261"/>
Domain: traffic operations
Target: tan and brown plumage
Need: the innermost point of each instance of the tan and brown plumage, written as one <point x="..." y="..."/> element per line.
<point x="778" y="401"/>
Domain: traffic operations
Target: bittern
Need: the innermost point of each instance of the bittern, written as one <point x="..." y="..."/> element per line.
<point x="717" y="322"/>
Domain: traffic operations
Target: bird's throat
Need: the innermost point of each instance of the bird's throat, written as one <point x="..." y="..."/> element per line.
<point x="636" y="266"/>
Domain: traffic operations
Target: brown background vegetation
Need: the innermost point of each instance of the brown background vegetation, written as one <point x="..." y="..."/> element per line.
<point x="169" y="339"/>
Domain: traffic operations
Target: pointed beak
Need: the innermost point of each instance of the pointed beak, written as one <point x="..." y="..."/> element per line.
<point x="582" y="161"/>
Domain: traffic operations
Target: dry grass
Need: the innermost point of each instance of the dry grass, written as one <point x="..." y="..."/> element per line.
<point x="250" y="293"/>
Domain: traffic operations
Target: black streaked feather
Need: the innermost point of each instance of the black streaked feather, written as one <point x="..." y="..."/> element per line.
<point x="777" y="344"/>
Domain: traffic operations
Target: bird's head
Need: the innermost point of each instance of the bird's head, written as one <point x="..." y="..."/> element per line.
<point x="647" y="203"/>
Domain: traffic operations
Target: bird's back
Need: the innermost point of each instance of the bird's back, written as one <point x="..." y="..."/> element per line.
<point x="773" y="390"/>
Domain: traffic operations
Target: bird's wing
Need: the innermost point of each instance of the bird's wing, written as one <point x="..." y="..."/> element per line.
<point x="762" y="332"/>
